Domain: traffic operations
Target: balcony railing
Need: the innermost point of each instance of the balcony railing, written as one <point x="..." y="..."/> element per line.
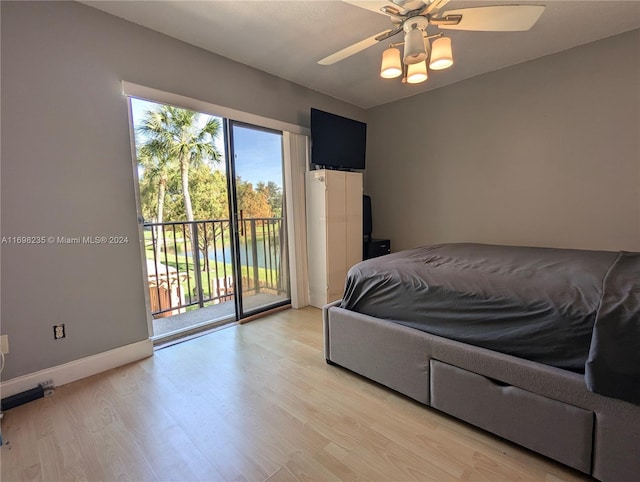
<point x="190" y="263"/>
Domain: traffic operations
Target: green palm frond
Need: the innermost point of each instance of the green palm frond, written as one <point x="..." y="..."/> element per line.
<point x="172" y="140"/>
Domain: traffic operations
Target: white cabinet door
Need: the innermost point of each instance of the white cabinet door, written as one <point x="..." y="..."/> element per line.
<point x="336" y="234"/>
<point x="316" y="210"/>
<point x="353" y="221"/>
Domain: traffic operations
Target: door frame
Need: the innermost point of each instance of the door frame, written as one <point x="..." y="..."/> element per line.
<point x="295" y="226"/>
<point x="235" y="219"/>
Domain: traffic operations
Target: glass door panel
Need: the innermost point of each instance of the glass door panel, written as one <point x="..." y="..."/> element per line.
<point x="183" y="208"/>
<point x="262" y="274"/>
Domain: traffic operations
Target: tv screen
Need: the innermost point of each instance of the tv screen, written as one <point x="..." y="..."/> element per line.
<point x="337" y="142"/>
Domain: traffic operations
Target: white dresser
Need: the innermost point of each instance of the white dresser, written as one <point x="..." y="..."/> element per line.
<point x="334" y="231"/>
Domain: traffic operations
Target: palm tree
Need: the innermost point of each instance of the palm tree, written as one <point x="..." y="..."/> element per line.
<point x="176" y="133"/>
<point x="178" y="138"/>
<point x="155" y="170"/>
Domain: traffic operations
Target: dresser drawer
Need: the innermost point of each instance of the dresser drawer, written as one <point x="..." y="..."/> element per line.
<point x="552" y="428"/>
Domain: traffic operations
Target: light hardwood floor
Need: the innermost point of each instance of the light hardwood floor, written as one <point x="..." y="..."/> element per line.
<point x="250" y="402"/>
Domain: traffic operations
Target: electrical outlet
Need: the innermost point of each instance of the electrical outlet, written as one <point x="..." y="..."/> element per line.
<point x="48" y="387"/>
<point x="58" y="331"/>
<point x="4" y="344"/>
<point x="46" y="383"/>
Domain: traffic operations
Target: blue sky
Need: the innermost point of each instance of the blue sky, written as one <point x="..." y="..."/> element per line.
<point x="258" y="153"/>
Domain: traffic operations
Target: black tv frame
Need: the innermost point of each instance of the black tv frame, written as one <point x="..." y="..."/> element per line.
<point x="337" y="142"/>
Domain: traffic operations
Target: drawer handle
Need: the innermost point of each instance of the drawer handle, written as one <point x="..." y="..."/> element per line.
<point x="497" y="382"/>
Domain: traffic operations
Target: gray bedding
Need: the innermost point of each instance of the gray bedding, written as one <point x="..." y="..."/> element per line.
<point x="613" y="366"/>
<point x="541" y="304"/>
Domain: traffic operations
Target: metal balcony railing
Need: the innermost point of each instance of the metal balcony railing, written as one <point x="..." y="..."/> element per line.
<point x="191" y="262"/>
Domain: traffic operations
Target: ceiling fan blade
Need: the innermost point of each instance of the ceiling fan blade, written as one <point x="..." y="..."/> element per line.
<point x="390" y="9"/>
<point x="355" y="48"/>
<point x="408" y="5"/>
<point x="372" y="5"/>
<point x="434" y="6"/>
<point x="497" y="18"/>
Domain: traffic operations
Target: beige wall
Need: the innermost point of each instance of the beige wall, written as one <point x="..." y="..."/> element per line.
<point x="67" y="169"/>
<point x="545" y="153"/>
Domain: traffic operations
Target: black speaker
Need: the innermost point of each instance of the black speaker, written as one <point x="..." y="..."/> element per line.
<point x="372" y="248"/>
<point x="367" y="223"/>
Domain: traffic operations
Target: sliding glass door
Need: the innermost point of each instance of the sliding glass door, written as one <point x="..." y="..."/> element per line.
<point x="211" y="205"/>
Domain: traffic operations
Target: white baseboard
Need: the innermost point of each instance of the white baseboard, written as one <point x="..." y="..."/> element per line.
<point x="78" y="369"/>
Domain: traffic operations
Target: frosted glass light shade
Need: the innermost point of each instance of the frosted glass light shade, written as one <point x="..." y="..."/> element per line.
<point x="417" y="73"/>
<point x="391" y="64"/>
<point x="414" y="51"/>
<point x="441" y="55"/>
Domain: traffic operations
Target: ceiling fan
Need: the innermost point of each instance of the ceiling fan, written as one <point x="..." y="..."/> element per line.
<point x="413" y="17"/>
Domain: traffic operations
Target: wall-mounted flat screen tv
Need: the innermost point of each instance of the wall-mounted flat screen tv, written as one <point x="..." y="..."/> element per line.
<point x="337" y="142"/>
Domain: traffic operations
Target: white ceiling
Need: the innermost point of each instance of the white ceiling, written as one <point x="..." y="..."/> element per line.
<point x="287" y="38"/>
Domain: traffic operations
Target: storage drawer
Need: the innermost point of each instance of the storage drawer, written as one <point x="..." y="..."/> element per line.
<point x="552" y="428"/>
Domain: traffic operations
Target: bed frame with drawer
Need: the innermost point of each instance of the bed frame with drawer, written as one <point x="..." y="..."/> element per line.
<point x="546" y="409"/>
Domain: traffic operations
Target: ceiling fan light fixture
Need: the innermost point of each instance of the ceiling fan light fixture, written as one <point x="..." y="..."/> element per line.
<point x="391" y="64"/>
<point x="414" y="51"/>
<point x="417" y="73"/>
<point x="441" y="54"/>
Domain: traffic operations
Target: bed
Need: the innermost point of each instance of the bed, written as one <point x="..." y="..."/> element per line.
<point x="540" y="346"/>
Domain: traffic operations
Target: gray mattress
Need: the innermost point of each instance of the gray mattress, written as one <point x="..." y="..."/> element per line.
<point x="560" y="307"/>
